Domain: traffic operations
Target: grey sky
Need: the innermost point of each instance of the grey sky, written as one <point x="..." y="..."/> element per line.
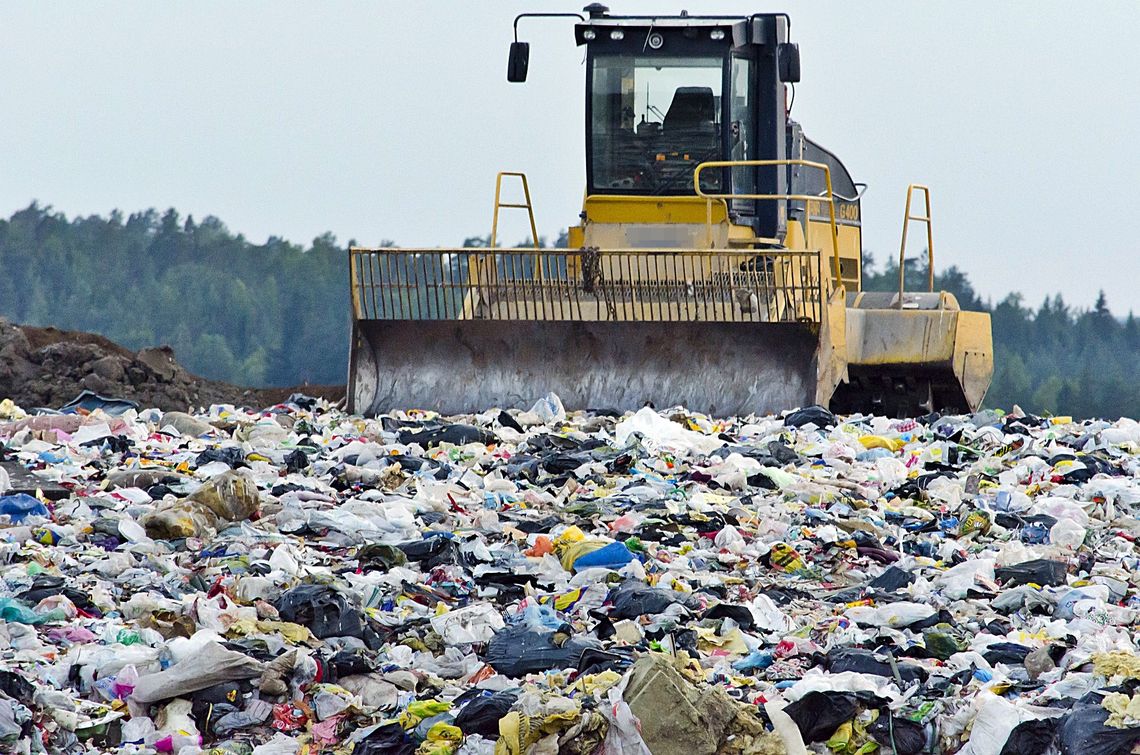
<point x="389" y="120"/>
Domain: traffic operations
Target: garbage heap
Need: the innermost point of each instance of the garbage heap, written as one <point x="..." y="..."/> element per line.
<point x="299" y="580"/>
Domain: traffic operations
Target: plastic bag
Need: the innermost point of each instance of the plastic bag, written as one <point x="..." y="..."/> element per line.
<point x="863" y="661"/>
<point x="459" y="435"/>
<point x="463" y="626"/>
<point x="12" y="610"/>
<point x="20" y="506"/>
<point x="481" y="715"/>
<point x="729" y="539"/>
<point x="324" y="611"/>
<point x="231" y="496"/>
<point x="610" y="556"/>
<point x="900" y="614"/>
<point x="633" y="599"/>
<point x="549" y="408"/>
<point x="212" y="665"/>
<point x="175" y="520"/>
<point x="1067" y="534"/>
<point x="518" y="650"/>
<point x="819" y="714"/>
<point x="624" y="734"/>
<point x="1031" y="737"/>
<point x="1083" y="732"/>
<point x="899" y="736"/>
<point x="665" y="433"/>
<point x="892" y="580"/>
<point x="1039" y="571"/>
<point x="815" y="415"/>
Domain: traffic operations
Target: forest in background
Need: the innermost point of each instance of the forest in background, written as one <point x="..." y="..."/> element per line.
<point x="278" y="314"/>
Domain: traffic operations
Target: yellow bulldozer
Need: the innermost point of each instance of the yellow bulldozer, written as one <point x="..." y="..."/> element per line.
<point x="717" y="263"/>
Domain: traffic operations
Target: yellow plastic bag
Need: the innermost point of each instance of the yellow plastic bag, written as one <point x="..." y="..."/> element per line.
<point x="878" y="441"/>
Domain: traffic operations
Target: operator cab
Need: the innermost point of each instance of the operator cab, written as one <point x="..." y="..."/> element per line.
<point x="665" y="94"/>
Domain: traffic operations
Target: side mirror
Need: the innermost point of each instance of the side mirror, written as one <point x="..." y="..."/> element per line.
<point x="788" y="61"/>
<point x="518" y="61"/>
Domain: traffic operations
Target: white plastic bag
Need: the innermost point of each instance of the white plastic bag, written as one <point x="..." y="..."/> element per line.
<point x="463" y="626"/>
<point x="900" y="614"/>
<point x="549" y="408"/>
<point x="624" y="735"/>
<point x="665" y="433"/>
<point x="729" y="539"/>
<point x="1067" y="534"/>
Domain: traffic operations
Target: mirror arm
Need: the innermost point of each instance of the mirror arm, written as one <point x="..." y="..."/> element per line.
<point x="578" y="16"/>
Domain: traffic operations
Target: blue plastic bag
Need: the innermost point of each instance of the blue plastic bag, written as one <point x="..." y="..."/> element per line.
<point x="20" y="506"/>
<point x="612" y="556"/>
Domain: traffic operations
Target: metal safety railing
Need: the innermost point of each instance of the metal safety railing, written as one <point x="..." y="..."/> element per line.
<point x="828" y="197"/>
<point x="587" y="284"/>
<point x="907" y="217"/>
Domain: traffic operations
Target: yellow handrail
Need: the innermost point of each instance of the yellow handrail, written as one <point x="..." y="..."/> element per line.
<point x="476" y="269"/>
<point x="526" y="206"/>
<point x="829" y="197"/>
<point x="907" y="217"/>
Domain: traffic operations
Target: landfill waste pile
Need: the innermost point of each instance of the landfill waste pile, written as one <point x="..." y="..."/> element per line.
<point x="48" y="367"/>
<point x="300" y="580"/>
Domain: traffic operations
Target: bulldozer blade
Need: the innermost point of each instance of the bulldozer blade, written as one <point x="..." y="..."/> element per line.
<point x="457" y="366"/>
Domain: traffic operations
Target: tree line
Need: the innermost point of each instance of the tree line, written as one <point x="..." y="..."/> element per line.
<point x="278" y="313"/>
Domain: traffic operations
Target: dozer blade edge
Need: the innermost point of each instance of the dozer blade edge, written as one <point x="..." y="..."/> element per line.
<point x="455" y="366"/>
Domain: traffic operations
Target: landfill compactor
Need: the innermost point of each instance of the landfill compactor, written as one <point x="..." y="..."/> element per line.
<point x="717" y="262"/>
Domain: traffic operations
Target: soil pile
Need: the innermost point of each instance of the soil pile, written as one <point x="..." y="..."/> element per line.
<point x="48" y="367"/>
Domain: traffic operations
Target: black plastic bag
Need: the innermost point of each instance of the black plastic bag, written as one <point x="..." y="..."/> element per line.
<point x="815" y="415"/>
<point x="347" y="663"/>
<point x="1083" y="732"/>
<point x="899" y="736"/>
<point x="46" y="585"/>
<point x="563" y="463"/>
<point x="231" y="456"/>
<point x="302" y="401"/>
<point x="296" y="461"/>
<point x="1041" y="571"/>
<point x="507" y="420"/>
<point x="864" y="662"/>
<point x="632" y="599"/>
<point x="595" y="661"/>
<point x="740" y="614"/>
<point x="518" y="650"/>
<point x="16" y="686"/>
<point x="892" y="579"/>
<point x="481" y="715"/>
<point x="783" y="453"/>
<point x="324" y="611"/>
<point x="1031" y="737"/>
<point x="1006" y="652"/>
<point x="819" y="714"/>
<point x="386" y="740"/>
<point x="523" y="467"/>
<point x="455" y="434"/>
<point x="431" y="551"/>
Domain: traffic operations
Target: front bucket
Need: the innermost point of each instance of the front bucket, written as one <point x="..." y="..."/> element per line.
<point x="458" y="366"/>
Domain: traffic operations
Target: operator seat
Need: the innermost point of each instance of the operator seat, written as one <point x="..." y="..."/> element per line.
<point x="693" y="110"/>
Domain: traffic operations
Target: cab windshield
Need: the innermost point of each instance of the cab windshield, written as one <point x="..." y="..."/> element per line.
<point x="653" y="120"/>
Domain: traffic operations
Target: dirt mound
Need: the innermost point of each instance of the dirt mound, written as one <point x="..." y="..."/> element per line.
<point x="48" y="367"/>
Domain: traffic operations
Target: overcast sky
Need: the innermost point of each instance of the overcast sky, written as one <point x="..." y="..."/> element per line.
<point x="388" y="121"/>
